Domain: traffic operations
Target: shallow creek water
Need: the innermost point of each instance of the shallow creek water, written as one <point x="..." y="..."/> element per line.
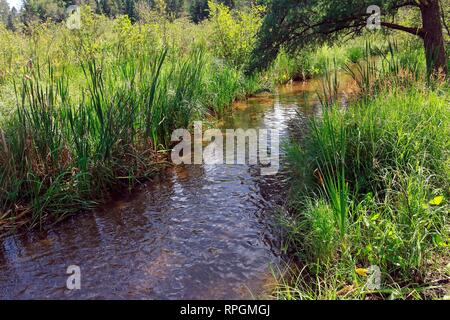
<point x="194" y="232"/>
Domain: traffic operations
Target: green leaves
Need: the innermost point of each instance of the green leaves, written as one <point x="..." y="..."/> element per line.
<point x="295" y="24"/>
<point x="234" y="33"/>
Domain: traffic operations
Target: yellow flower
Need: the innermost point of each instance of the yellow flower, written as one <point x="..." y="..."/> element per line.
<point x="361" y="271"/>
<point x="437" y="200"/>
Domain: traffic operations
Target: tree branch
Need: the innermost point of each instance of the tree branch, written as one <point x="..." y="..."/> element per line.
<point x="412" y="3"/>
<point x="411" y="30"/>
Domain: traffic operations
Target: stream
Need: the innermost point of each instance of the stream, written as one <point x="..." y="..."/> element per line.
<point x="193" y="232"/>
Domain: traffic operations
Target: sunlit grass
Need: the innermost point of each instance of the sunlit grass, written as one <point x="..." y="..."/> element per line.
<point x="376" y="170"/>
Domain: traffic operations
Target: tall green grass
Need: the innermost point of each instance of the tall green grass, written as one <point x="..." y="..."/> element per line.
<point x="397" y="65"/>
<point x="62" y="152"/>
<point x="370" y="186"/>
<point x="320" y="61"/>
<point x="381" y="176"/>
<point x="85" y="111"/>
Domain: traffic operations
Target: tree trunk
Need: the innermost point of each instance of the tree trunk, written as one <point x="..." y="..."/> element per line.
<point x="433" y="37"/>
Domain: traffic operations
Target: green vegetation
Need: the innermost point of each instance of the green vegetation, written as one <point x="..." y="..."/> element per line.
<point x="370" y="187"/>
<point x="293" y="26"/>
<point x="315" y="61"/>
<point x="86" y="111"/>
<point x="35" y="11"/>
<point x="93" y="109"/>
<point x="370" y="181"/>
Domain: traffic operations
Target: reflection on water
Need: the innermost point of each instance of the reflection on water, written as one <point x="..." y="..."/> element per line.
<point x="197" y="232"/>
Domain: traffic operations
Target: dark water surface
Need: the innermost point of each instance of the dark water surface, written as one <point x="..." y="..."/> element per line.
<point x="197" y="232"/>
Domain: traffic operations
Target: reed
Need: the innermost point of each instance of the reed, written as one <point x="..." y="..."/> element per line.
<point x="68" y="143"/>
<point x="370" y="187"/>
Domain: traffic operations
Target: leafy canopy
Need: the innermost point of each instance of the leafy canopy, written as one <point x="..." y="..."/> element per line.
<point x="295" y="24"/>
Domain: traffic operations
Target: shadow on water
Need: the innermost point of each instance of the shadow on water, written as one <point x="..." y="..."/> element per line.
<point x="196" y="232"/>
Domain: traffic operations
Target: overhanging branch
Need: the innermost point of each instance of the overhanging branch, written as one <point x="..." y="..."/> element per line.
<point x="411" y="30"/>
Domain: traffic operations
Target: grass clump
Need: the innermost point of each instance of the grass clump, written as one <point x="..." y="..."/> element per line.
<point x="60" y="153"/>
<point x="370" y="188"/>
<point x="86" y="111"/>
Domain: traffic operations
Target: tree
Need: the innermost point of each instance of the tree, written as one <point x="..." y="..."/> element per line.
<point x="11" y="22"/>
<point x="199" y="9"/>
<point x="232" y="34"/>
<point x="130" y="10"/>
<point x="4" y="11"/>
<point x="55" y="10"/>
<point x="293" y="24"/>
<point x="113" y="8"/>
<point x="174" y="8"/>
<point x="42" y="10"/>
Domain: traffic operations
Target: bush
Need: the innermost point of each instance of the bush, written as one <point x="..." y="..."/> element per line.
<point x="233" y="34"/>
